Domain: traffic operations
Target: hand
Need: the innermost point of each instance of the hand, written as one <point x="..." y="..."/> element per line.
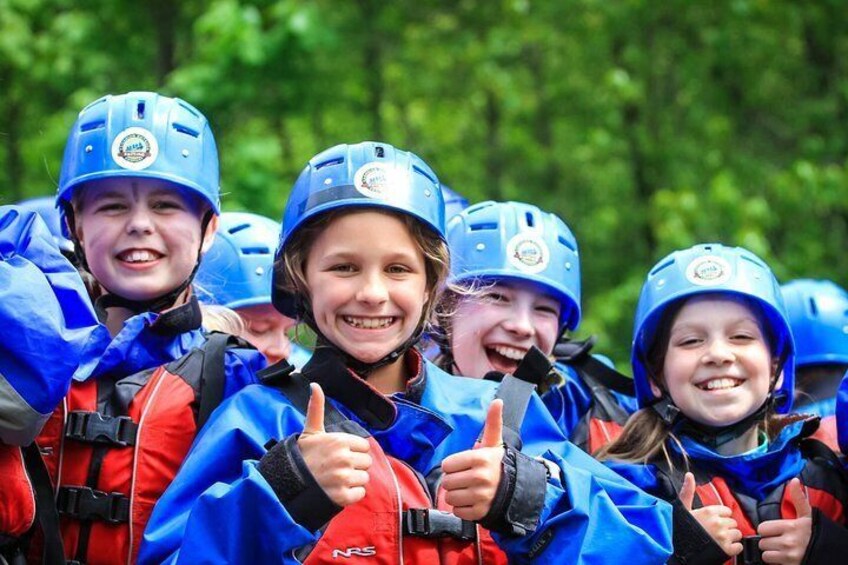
<point x="471" y="477"/>
<point x="786" y="541"/>
<point x="717" y="519"/>
<point x="338" y="461"/>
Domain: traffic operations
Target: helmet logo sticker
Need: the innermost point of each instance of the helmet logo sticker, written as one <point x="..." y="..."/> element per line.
<point x="527" y="253"/>
<point x="709" y="270"/>
<point x="135" y="149"/>
<point x="373" y="180"/>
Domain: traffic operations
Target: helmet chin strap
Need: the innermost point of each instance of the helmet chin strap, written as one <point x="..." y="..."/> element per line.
<point x="156" y="304"/>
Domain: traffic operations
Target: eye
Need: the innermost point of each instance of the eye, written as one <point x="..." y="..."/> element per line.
<point x="495" y="296"/>
<point x="546" y="309"/>
<point x="342" y="268"/>
<point x="167" y="205"/>
<point x="112" y="206"/>
<point x="688" y="341"/>
<point x="398" y="269"/>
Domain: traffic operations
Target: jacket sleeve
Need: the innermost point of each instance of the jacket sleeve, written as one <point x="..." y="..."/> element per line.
<point x="591" y="514"/>
<point x="49" y="324"/>
<point x="842" y="415"/>
<point x="219" y="507"/>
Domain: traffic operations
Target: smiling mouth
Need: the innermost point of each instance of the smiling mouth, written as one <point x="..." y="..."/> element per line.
<point x="139" y="256"/>
<point x="370" y="323"/>
<point x="724" y="383"/>
<point x="504" y="357"/>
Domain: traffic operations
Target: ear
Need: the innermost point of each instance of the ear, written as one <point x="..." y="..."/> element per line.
<point x="655" y="389"/>
<point x="209" y="236"/>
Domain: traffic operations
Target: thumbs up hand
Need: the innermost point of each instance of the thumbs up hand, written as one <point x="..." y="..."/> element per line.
<point x="471" y="477"/>
<point x="786" y="541"/>
<point x="717" y="519"/>
<point x="338" y="461"/>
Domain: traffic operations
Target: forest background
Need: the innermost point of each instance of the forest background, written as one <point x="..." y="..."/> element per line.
<point x="647" y="126"/>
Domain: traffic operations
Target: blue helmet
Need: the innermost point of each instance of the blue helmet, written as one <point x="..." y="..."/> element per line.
<point x="491" y="241"/>
<point x="365" y="175"/>
<point x="236" y="271"/>
<point x="818" y="314"/>
<point x="141" y="135"/>
<point x="705" y="269"/>
<point x="454" y="202"/>
<point x="45" y="206"/>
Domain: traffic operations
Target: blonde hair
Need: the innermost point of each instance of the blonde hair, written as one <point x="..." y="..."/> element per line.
<point x="222" y="319"/>
<point x="291" y="265"/>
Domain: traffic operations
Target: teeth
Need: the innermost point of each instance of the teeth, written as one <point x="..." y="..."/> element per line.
<point x="509" y="352"/>
<point x="719" y="384"/>
<point x="138" y="256"/>
<point x="369" y="323"/>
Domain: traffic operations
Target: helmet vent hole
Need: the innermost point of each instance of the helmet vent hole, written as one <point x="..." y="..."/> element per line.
<point x="89" y="126"/>
<point x="529" y="216"/>
<point x="661" y="266"/>
<point x="379" y="152"/>
<point x="238" y="228"/>
<point x="424" y="173"/>
<point x="481" y="227"/>
<point x="139" y="110"/>
<point x="186" y="130"/>
<point x="329" y="163"/>
<point x="255" y="251"/>
<point x="566" y="243"/>
<point x="813" y="310"/>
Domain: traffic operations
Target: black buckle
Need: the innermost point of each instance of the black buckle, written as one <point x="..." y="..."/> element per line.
<point x="431" y="523"/>
<point x="84" y="503"/>
<point x="94" y="427"/>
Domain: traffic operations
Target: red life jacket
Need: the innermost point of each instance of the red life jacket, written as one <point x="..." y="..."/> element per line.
<point x="112" y="447"/>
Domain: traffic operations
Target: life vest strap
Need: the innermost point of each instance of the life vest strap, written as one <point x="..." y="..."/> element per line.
<point x="94" y="427"/>
<point x="85" y="503"/>
<point x="432" y="523"/>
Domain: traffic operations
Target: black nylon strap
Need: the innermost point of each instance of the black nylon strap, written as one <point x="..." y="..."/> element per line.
<point x="295" y="386"/>
<point x="212" y="378"/>
<point x="45" y="507"/>
<point x="576" y="354"/>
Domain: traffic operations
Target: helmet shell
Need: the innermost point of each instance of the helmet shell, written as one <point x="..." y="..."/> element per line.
<point x="45" y="206"/>
<point x="364" y="175"/>
<point x="706" y="269"/>
<point x="236" y="271"/>
<point x="492" y="241"/>
<point x="141" y="135"/>
<point x="818" y="314"/>
<point x="454" y="202"/>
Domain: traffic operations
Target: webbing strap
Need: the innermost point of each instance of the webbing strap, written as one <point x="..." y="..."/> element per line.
<point x="46" y="513"/>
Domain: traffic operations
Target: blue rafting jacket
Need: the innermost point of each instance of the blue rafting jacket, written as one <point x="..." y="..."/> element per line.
<point x="48" y="322"/>
<point x="221" y="509"/>
<point x="569" y="402"/>
<point x="842" y="414"/>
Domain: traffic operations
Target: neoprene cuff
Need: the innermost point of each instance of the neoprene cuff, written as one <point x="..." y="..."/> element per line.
<point x="520" y="496"/>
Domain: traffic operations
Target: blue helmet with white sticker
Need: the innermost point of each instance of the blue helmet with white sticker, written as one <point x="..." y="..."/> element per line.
<point x="492" y="241"/>
<point x="141" y="135"/>
<point x="45" y="206"/>
<point x="454" y="202"/>
<point x="712" y="269"/>
<point x="818" y="314"/>
<point x="236" y="271"/>
<point x="363" y="175"/>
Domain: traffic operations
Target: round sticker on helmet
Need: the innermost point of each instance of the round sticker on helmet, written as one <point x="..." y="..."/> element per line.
<point x="527" y="253"/>
<point x="709" y="270"/>
<point x="135" y="149"/>
<point x="374" y="180"/>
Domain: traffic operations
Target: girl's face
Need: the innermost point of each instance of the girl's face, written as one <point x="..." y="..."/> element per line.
<point x="367" y="282"/>
<point x="265" y="329"/>
<point x="140" y="236"/>
<point x="494" y="331"/>
<point x="718" y="365"/>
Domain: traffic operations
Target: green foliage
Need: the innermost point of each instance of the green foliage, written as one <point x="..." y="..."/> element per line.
<point x="647" y="126"/>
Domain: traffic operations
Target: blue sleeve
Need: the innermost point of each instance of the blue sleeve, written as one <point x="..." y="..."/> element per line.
<point x="219" y="507"/>
<point x="48" y="321"/>
<point x="241" y="368"/>
<point x="591" y="514"/>
<point x="842" y="414"/>
<point x="568" y="402"/>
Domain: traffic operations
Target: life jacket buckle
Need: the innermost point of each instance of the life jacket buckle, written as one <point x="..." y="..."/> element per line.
<point x="432" y="523"/>
<point x="84" y="503"/>
<point x="94" y="427"/>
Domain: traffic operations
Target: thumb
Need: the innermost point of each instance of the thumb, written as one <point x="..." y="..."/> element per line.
<point x="687" y="491"/>
<point x="799" y="499"/>
<point x="492" y="435"/>
<point x="314" y="411"/>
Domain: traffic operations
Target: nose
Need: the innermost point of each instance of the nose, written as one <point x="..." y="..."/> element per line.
<point x="519" y="321"/>
<point x="719" y="352"/>
<point x="140" y="220"/>
<point x="373" y="289"/>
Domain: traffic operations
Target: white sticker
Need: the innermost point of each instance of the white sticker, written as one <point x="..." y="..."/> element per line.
<point x="374" y="179"/>
<point x="135" y="149"/>
<point x="709" y="270"/>
<point x="528" y="253"/>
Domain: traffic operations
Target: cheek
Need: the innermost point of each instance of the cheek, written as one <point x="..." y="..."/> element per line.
<point x="547" y="332"/>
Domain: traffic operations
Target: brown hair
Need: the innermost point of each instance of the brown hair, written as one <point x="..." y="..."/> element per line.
<point x="291" y="265"/>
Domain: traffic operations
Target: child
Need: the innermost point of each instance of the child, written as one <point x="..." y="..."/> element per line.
<point x="818" y="315"/>
<point x="236" y="274"/>
<point x="713" y="361"/>
<point x="522" y="268"/>
<point x="139" y="192"/>
<point x="361" y="259"/>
